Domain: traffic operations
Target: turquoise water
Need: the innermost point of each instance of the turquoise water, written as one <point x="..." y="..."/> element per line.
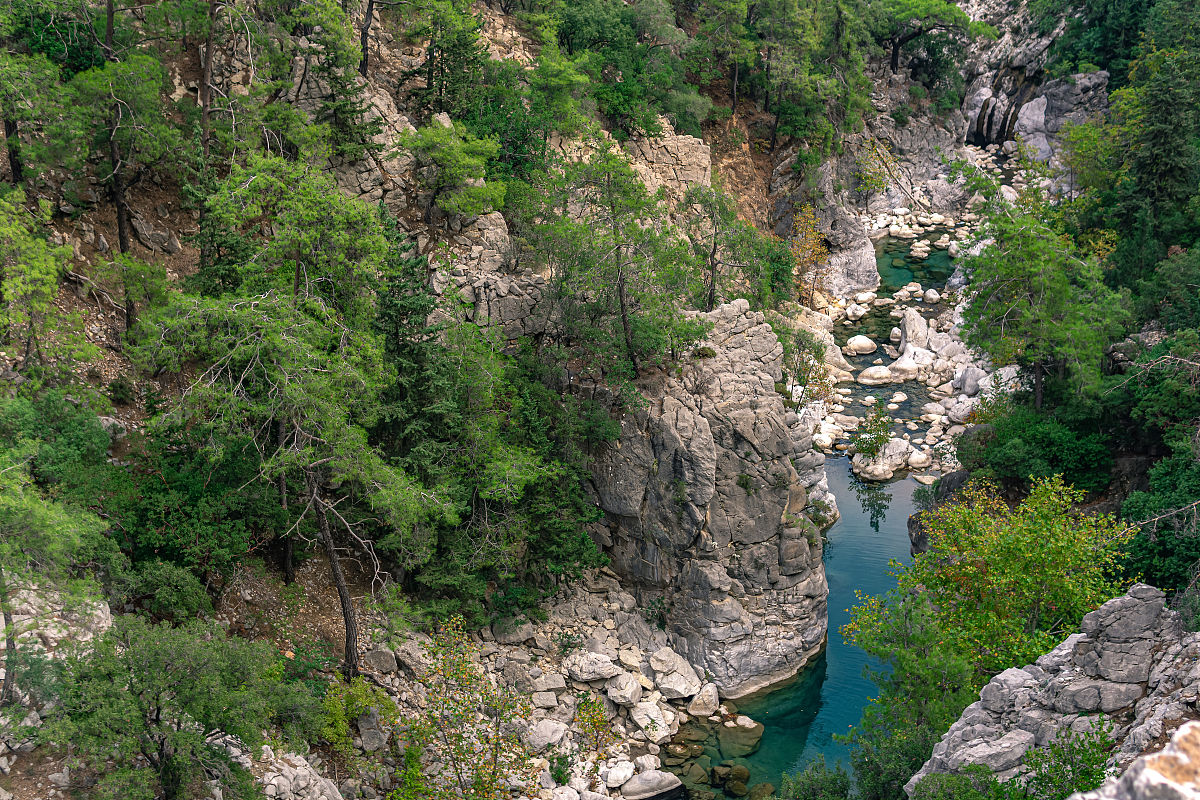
<point x="828" y="697"/>
<point x="933" y="271"/>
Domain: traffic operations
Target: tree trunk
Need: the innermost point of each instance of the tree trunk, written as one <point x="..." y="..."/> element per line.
<point x="365" y="35"/>
<point x="350" y="665"/>
<point x="206" y="78"/>
<point x="626" y="328"/>
<point x="712" y="276"/>
<point x="110" y="13"/>
<point x="10" y="644"/>
<point x="735" y="85"/>
<point x="289" y="566"/>
<point x="118" y="188"/>
<point x="1038" y="381"/>
<point x="896" y="55"/>
<point x="12" y="145"/>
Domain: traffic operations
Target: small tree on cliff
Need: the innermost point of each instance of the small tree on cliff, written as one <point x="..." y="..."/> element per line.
<point x="898" y="22"/>
<point x="1037" y="301"/>
<point x="810" y="253"/>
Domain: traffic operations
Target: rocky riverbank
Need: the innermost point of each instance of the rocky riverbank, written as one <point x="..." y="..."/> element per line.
<point x="1132" y="666"/>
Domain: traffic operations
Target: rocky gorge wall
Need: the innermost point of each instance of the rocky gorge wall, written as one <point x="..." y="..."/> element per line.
<point x="1132" y="665"/>
<point x="710" y="497"/>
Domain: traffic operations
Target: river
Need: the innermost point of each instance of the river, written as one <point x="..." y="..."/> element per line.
<point x="801" y="717"/>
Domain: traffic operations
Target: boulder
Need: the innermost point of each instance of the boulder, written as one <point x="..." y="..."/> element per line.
<point x="706" y="702"/>
<point x="861" y="345"/>
<point x="380" y="659"/>
<point x="545" y="734"/>
<point x="652" y="785"/>
<point x="624" y="690"/>
<point x="855" y="312"/>
<point x="738" y="740"/>
<point x="914" y="330"/>
<point x="653" y="721"/>
<point x="589" y="667"/>
<point x="619" y="774"/>
<point x="674" y="675"/>
<point x="512" y="631"/>
<point x="874" y="376"/>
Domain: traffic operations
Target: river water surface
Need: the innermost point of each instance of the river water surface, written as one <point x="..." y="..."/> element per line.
<point x="826" y="698"/>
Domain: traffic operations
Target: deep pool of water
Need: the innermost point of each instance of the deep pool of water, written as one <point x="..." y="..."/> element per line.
<point x="826" y="698"/>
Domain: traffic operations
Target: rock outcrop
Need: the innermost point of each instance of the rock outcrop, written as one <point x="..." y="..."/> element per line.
<point x="709" y="498"/>
<point x="1171" y="774"/>
<point x="1132" y="665"/>
<point x="1008" y="93"/>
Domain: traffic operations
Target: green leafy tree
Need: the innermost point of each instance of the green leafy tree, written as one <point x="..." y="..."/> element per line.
<point x="30" y="268"/>
<point x="121" y="102"/>
<point x="454" y="165"/>
<point x="1006" y="584"/>
<point x="154" y="695"/>
<point x="473" y="726"/>
<point x="898" y="22"/>
<point x="1037" y="300"/>
<point x="294" y="366"/>
<point x="618" y="273"/>
<point x="41" y="541"/>
<point x="733" y="251"/>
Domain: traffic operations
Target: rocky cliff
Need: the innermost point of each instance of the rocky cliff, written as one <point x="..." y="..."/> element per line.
<point x="1131" y="665"/>
<point x="710" y="497"/>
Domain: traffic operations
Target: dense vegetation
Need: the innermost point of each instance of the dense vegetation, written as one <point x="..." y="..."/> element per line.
<point x="312" y="394"/>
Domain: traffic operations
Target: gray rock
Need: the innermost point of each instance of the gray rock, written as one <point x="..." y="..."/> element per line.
<point x="545" y="734"/>
<point x="549" y="682"/>
<point x="624" y="690"/>
<point x="513" y="631"/>
<point x="649" y="784"/>
<point x="589" y="667"/>
<point x="706" y="702"/>
<point x="381" y="660"/>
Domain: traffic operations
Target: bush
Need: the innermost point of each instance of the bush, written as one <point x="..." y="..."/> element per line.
<point x="902" y="114"/>
<point x="874" y="432"/>
<point x="818" y="781"/>
<point x="1024" y="444"/>
<point x="344" y="703"/>
<point x="169" y="592"/>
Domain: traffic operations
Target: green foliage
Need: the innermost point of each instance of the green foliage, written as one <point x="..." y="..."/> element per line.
<point x="342" y="705"/>
<point x="618" y="275"/>
<point x="411" y="784"/>
<point x="1073" y="762"/>
<point x="818" y="781"/>
<point x="44" y="341"/>
<point x="1038" y="301"/>
<point x="592" y="721"/>
<point x="1007" y="584"/>
<point x="137" y="706"/>
<point x="998" y="587"/>
<point x="471" y="726"/>
<point x="873" y="433"/>
<point x="122" y="391"/>
<point x="456" y="163"/>
<point x="169" y="592"/>
<point x="1023" y="444"/>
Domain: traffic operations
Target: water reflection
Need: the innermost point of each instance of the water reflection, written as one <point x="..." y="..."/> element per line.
<point x="874" y="498"/>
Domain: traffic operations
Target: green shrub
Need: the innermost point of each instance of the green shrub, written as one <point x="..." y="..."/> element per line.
<point x="818" y="781"/>
<point x="121" y="391"/>
<point x="169" y="592"/>
<point x="344" y="703"/>
<point x="902" y="114"/>
<point x="1024" y="444"/>
<point x="873" y="433"/>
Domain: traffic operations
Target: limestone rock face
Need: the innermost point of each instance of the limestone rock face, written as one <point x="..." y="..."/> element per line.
<point x="1171" y="774"/>
<point x="1132" y="664"/>
<point x="1008" y="95"/>
<point x="851" y="254"/>
<point x="706" y="511"/>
